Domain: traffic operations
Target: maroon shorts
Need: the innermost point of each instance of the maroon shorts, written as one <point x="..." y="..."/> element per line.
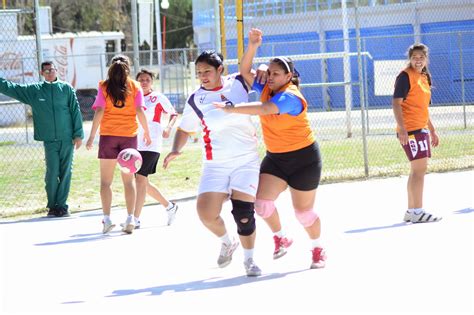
<point x="110" y="146"/>
<point x="418" y="146"/>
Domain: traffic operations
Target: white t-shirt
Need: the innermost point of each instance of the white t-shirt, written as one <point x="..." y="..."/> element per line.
<point x="225" y="136"/>
<point x="156" y="104"/>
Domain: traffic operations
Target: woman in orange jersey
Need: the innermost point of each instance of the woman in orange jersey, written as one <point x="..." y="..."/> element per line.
<point x="118" y="104"/>
<point x="415" y="130"/>
<point x="292" y="158"/>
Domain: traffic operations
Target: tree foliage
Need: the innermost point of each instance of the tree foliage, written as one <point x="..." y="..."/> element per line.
<point x="110" y="15"/>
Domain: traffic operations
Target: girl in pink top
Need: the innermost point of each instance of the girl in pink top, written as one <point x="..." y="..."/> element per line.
<point x="118" y="104"/>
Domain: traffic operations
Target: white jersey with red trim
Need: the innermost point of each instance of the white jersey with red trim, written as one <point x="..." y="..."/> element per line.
<point x="225" y="136"/>
<point x="156" y="104"/>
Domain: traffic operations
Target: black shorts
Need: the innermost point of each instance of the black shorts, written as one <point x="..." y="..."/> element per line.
<point x="150" y="160"/>
<point x="301" y="169"/>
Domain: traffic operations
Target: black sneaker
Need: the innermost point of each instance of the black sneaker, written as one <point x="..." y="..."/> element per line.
<point x="62" y="212"/>
<point x="52" y="212"/>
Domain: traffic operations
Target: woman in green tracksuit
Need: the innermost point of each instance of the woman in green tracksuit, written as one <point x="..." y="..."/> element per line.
<point x="57" y="122"/>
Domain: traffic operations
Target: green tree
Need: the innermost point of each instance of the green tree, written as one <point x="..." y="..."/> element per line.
<point x="179" y="24"/>
<point x="108" y="15"/>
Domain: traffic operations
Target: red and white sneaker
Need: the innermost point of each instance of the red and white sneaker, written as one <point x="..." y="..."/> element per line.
<point x="319" y="258"/>
<point x="281" y="244"/>
<point x="225" y="257"/>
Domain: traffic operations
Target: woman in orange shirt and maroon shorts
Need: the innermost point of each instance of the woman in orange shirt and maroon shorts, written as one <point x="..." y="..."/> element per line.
<point x="118" y="104"/>
<point x="415" y="130"/>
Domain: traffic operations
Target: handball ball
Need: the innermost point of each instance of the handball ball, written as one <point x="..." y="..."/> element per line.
<point x="129" y="160"/>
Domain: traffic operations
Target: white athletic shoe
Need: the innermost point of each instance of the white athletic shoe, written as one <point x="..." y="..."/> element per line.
<point x="422" y="217"/>
<point x="107" y="226"/>
<point x="137" y="224"/>
<point x="129" y="225"/>
<point x="251" y="268"/>
<point x="172" y="213"/>
<point x="225" y="257"/>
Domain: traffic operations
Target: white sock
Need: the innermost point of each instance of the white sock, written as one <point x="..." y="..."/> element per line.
<point x="106" y="218"/>
<point x="410" y="210"/>
<point x="170" y="205"/>
<point x="316" y="243"/>
<point x="280" y="233"/>
<point x="226" y="239"/>
<point x="136" y="219"/>
<point x="417" y="211"/>
<point x="248" y="253"/>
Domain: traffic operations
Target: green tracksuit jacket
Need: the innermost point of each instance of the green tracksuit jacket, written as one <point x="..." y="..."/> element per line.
<point x="57" y="121"/>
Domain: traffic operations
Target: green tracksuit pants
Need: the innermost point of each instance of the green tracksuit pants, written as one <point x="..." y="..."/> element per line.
<point x="58" y="155"/>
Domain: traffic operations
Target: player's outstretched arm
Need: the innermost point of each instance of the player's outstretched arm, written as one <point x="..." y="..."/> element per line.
<point x="99" y="113"/>
<point x="179" y="141"/>
<point x="255" y="40"/>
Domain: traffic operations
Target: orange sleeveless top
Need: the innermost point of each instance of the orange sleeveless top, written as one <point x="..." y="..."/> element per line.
<point x="415" y="106"/>
<point x="284" y="132"/>
<point x="121" y="121"/>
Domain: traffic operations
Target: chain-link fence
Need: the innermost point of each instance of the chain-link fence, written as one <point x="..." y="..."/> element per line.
<point x="348" y="67"/>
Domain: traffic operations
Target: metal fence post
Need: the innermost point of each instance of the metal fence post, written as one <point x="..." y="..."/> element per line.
<point x="25" y="106"/>
<point x="463" y="91"/>
<point x="136" y="59"/>
<point x="361" y="90"/>
<point x="39" y="50"/>
<point x="366" y="87"/>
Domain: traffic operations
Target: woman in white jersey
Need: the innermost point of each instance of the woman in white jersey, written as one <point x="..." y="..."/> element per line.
<point x="156" y="104"/>
<point x="230" y="157"/>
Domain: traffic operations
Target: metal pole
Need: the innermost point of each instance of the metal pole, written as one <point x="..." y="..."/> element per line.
<point x="136" y="59"/>
<point x="347" y="69"/>
<point x="151" y="35"/>
<point x="24" y="106"/>
<point x="159" y="44"/>
<point x="222" y="31"/>
<point x="101" y="61"/>
<point x="366" y="86"/>
<point x="463" y="91"/>
<point x="240" y="29"/>
<point x="361" y="90"/>
<point x="39" y="48"/>
<point x="192" y="70"/>
<point x="217" y="25"/>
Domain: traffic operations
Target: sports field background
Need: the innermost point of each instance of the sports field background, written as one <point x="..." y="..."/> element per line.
<point x="22" y="191"/>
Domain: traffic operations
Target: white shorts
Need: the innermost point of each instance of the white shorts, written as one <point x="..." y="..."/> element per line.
<point x="240" y="174"/>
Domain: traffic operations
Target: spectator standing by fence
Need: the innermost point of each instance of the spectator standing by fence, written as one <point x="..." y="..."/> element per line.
<point x="415" y="131"/>
<point x="57" y="122"/>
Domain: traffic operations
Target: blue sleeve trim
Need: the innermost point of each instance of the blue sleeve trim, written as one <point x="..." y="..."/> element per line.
<point x="257" y="86"/>
<point x="287" y="103"/>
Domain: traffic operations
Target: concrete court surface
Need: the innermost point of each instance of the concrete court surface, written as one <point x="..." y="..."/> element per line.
<point x="376" y="264"/>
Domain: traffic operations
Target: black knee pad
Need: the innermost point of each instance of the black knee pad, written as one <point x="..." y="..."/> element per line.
<point x="243" y="211"/>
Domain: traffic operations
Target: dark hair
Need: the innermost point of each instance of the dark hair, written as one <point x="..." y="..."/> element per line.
<point x="288" y="66"/>
<point x="116" y="83"/>
<point x="211" y="57"/>
<point x="47" y="63"/>
<point x="424" y="49"/>
<point x="145" y="71"/>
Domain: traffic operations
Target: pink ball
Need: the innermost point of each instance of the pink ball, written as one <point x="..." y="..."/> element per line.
<point x="129" y="161"/>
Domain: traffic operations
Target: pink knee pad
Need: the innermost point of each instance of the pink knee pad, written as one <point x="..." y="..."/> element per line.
<point x="307" y="217"/>
<point x="264" y="208"/>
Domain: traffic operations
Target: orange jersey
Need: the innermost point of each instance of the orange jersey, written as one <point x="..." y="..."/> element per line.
<point x="286" y="133"/>
<point x="120" y="121"/>
<point x="415" y="105"/>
